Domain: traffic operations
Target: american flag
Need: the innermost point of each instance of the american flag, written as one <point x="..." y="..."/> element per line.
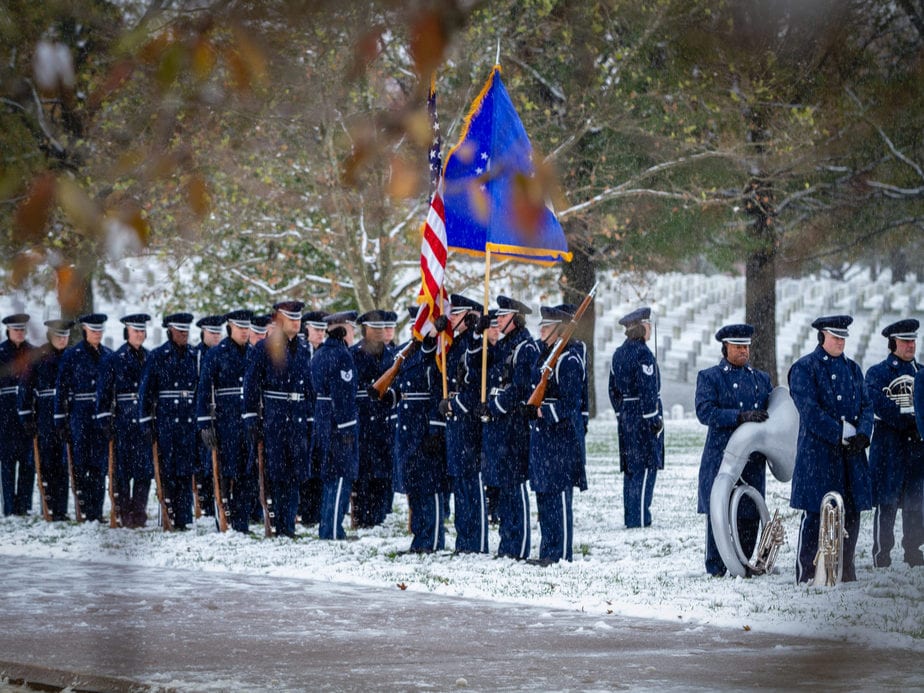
<point x="433" y="251"/>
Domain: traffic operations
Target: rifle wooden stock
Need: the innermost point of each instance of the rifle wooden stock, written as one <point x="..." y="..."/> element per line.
<point x="267" y="522"/>
<point x="197" y="499"/>
<point x="113" y="494"/>
<point x="46" y="515"/>
<point x="220" y="503"/>
<point x="535" y="399"/>
<point x="165" y="521"/>
<point x="387" y="378"/>
<point x="78" y="513"/>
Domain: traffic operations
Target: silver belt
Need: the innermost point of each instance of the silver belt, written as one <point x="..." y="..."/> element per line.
<point x="9" y="390"/>
<point x="85" y="397"/>
<point x="173" y="394"/>
<point x="416" y="396"/>
<point x="290" y="396"/>
<point x="127" y="397"/>
<point x="46" y="393"/>
<point x="228" y="391"/>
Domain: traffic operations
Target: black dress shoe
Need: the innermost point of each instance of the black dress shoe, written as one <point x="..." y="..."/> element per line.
<point x="541" y="562"/>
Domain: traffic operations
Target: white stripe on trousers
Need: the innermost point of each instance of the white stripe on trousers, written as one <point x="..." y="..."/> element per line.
<point x="641" y="516"/>
<point x="564" y="525"/>
<point x="524" y="502"/>
<point x="799" y="549"/>
<point x="436" y="521"/>
<point x="877" y="536"/>
<point x="337" y="506"/>
<point x="484" y="515"/>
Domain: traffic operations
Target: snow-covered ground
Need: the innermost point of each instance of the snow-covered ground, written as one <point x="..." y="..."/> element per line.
<point x="655" y="572"/>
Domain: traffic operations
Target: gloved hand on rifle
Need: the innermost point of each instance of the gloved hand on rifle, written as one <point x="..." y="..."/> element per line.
<point x="482" y="412"/>
<point x="445" y="409"/>
<point x="484" y="322"/>
<point x="209" y="438"/>
<point x="752" y="415"/>
<point x="656" y="425"/>
<point x="857" y="443"/>
<point x="373" y="393"/>
<point x="441" y="323"/>
<point x="30" y="428"/>
<point x="532" y="412"/>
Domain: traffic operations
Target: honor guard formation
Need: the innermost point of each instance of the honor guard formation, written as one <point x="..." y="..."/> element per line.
<point x="299" y="417"/>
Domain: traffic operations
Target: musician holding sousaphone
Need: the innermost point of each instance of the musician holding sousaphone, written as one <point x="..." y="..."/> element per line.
<point x="835" y="425"/>
<point x="728" y="395"/>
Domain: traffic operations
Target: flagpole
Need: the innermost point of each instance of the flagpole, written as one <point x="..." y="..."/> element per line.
<point x="484" y="334"/>
<point x="441" y="355"/>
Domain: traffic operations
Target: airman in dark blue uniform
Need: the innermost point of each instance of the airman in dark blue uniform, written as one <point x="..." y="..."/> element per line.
<point x="75" y="414"/>
<point x="37" y="414"/>
<point x="335" y="435"/>
<point x="219" y="415"/>
<point x="835" y="424"/>
<point x="372" y="490"/>
<point x="506" y="433"/>
<point x="17" y="469"/>
<point x="556" y="443"/>
<point x="117" y="417"/>
<point x="167" y="397"/>
<point x="211" y="332"/>
<point x="635" y="393"/>
<point x="463" y="427"/>
<point x="896" y="453"/>
<point x="279" y="376"/>
<point x="309" y="497"/>
<point x="728" y="395"/>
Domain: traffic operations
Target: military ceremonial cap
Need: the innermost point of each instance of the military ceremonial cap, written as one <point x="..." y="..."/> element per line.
<point x="637" y="315"/>
<point x="315" y="319"/>
<point x="551" y="315"/>
<point x="16" y="321"/>
<point x="136" y="321"/>
<point x="93" y="321"/>
<point x="735" y="334"/>
<point x="259" y="323"/>
<point x="59" y="328"/>
<point x="492" y="315"/>
<point x="344" y="316"/>
<point x="834" y="324"/>
<point x="378" y="319"/>
<point x="211" y="323"/>
<point x="290" y="309"/>
<point x="178" y="321"/>
<point x="239" y="318"/>
<point x="507" y="305"/>
<point x="462" y="304"/>
<point x="903" y="329"/>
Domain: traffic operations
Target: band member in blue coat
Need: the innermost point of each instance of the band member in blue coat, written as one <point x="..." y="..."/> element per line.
<point x="556" y="442"/>
<point x="728" y="395"/>
<point x="896" y="453"/>
<point x="506" y="434"/>
<point x="635" y="393"/>
<point x="75" y="414"/>
<point x="37" y="415"/>
<point x="117" y="418"/>
<point x="835" y="424"/>
<point x="335" y="421"/>
<point x="279" y="376"/>
<point x="372" y="490"/>
<point x="212" y="329"/>
<point x="17" y="469"/>
<point x="219" y="413"/>
<point x="463" y="427"/>
<point x="167" y="397"/>
<point x="309" y="494"/>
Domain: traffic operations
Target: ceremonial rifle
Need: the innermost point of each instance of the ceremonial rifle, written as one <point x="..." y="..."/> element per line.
<point x="387" y="378"/>
<point x="165" y="520"/>
<point x="113" y="493"/>
<point x="267" y="522"/>
<point x="551" y="360"/>
<point x="38" y="477"/>
<point x="221" y="503"/>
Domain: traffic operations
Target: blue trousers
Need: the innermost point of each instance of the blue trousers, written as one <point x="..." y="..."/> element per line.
<point x="91" y="490"/>
<point x="912" y="532"/>
<point x="514" y="523"/>
<point x="556" y="524"/>
<point x="284" y="493"/>
<point x="471" y="514"/>
<point x="335" y="498"/>
<point x="427" y="528"/>
<point x="808" y="544"/>
<point x="178" y="498"/>
<point x="309" y="501"/>
<point x="637" y="489"/>
<point x="244" y="493"/>
<point x="17" y="474"/>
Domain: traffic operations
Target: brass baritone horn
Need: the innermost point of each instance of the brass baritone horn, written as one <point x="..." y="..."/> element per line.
<point x="829" y="559"/>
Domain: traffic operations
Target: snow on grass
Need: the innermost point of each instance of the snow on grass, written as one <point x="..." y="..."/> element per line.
<point x="656" y="572"/>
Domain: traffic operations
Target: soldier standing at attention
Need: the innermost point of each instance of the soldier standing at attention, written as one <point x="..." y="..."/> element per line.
<point x="259" y="326"/>
<point x="309" y="498"/>
<point x="210" y="335"/>
<point x="279" y="376"/>
<point x="728" y="395"/>
<point x="75" y="414"/>
<point x="17" y="469"/>
<point x="835" y="424"/>
<point x="896" y="453"/>
<point x="37" y="414"/>
<point x="117" y="418"/>
<point x="167" y="397"/>
<point x="635" y="393"/>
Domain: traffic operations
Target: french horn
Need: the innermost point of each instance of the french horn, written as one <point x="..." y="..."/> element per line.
<point x="776" y="438"/>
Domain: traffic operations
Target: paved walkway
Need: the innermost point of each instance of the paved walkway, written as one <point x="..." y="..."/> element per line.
<point x="114" y="627"/>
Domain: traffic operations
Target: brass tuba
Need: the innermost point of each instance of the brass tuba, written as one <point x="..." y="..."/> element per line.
<point x="776" y="438"/>
<point x="829" y="560"/>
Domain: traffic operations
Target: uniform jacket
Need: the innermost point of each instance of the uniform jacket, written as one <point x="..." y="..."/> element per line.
<point x="556" y="441"/>
<point x="376" y="434"/>
<point x="335" y="413"/>
<point x="896" y="453"/>
<point x="635" y="393"/>
<point x="722" y="392"/>
<point x="75" y="400"/>
<point x="828" y="391"/>
<point x="919" y="400"/>
<point x="463" y="430"/>
<point x="220" y="403"/>
<point x="14" y="365"/>
<point x="506" y="436"/>
<point x="117" y="397"/>
<point x="37" y="402"/>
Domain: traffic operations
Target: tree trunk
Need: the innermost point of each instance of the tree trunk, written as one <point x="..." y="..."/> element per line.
<point x="760" y="308"/>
